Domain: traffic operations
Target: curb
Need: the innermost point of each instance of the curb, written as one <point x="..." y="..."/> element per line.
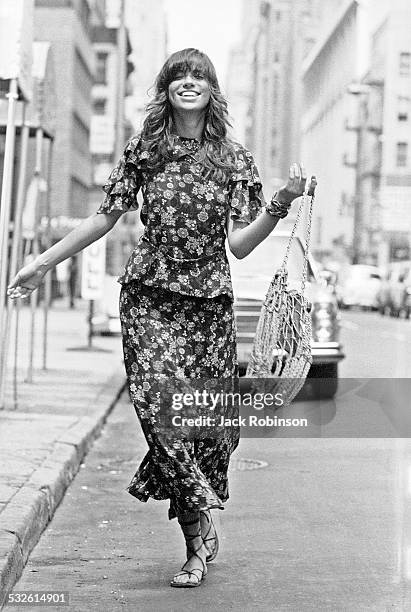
<point x="32" y="508"/>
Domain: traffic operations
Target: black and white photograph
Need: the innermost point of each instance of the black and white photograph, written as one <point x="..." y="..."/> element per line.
<point x="205" y="305"/>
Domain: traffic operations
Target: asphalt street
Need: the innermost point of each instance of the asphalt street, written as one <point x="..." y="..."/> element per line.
<point x="312" y="523"/>
<point x="375" y="346"/>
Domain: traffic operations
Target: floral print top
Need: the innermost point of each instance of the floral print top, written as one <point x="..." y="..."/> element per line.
<point x="182" y="248"/>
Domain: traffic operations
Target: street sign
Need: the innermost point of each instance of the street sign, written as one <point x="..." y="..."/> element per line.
<point x="93" y="270"/>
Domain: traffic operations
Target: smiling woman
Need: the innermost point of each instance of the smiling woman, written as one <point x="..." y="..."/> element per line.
<point x="176" y="302"/>
<point x="188" y="102"/>
<point x="191" y="87"/>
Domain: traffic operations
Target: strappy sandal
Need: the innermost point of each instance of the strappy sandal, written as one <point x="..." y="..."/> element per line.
<point x="214" y="548"/>
<point x="198" y="578"/>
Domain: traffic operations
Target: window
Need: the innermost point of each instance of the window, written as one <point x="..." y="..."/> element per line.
<point x="402" y="154"/>
<point x="99" y="106"/>
<point x="405" y="63"/>
<point x="101" y="67"/>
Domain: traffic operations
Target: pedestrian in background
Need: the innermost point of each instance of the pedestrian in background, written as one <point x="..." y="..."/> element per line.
<point x="176" y="303"/>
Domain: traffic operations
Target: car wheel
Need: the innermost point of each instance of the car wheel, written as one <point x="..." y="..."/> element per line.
<point x="323" y="380"/>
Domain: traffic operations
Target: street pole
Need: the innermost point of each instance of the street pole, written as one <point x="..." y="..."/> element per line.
<point x="47" y="279"/>
<point x="11" y="304"/>
<point x="35" y="252"/>
<point x="121" y="80"/>
<point x="5" y="205"/>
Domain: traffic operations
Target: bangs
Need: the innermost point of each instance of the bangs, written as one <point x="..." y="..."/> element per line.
<point x="188" y="60"/>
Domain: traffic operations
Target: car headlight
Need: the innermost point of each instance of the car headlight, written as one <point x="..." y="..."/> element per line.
<point x="325" y="322"/>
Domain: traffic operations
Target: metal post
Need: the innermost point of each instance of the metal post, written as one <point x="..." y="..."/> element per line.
<point x="35" y="252"/>
<point x="33" y="308"/>
<point x="20" y="258"/>
<point x="90" y="323"/>
<point x="47" y="280"/>
<point x="5" y="205"/>
<point x="21" y="190"/>
<point x="16" y="353"/>
<point x="121" y="81"/>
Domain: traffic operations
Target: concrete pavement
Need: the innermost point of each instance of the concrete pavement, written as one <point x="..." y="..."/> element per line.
<point x="318" y="526"/>
<point x="44" y="438"/>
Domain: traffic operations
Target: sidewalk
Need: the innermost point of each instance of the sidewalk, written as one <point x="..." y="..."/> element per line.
<point x="45" y="437"/>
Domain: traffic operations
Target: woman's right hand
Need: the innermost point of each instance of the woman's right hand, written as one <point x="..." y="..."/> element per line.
<point x="26" y="281"/>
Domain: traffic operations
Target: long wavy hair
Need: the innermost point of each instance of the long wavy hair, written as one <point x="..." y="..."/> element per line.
<point x="218" y="157"/>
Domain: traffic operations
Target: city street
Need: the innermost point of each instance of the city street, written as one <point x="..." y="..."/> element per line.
<point x="312" y="524"/>
<point x="156" y="146"/>
<point x="375" y="346"/>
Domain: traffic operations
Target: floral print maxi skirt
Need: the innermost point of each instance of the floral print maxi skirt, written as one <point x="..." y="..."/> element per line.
<point x="170" y="335"/>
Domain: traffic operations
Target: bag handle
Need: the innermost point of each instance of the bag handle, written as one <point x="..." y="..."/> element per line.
<point x="307" y="238"/>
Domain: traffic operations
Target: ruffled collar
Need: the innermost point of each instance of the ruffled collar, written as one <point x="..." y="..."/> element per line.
<point x="184" y="145"/>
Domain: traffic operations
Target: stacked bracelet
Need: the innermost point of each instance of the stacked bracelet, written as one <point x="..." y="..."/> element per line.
<point x="276" y="208"/>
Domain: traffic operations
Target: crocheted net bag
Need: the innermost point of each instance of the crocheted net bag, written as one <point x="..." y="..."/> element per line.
<point x="282" y="344"/>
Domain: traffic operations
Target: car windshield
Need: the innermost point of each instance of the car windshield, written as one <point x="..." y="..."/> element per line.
<point x="267" y="257"/>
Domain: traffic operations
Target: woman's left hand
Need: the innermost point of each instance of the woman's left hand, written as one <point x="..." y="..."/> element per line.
<point x="295" y="186"/>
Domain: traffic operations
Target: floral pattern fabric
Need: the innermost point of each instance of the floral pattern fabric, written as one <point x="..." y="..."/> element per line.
<point x="167" y="335"/>
<point x="182" y="248"/>
<point x="176" y="309"/>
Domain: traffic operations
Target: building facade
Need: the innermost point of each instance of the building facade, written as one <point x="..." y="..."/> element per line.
<point x="266" y="84"/>
<point x="146" y="22"/>
<point x="395" y="180"/>
<point x="269" y="91"/>
<point x="109" y="131"/>
<point x="67" y="25"/>
<point x="240" y="76"/>
<point x="329" y="124"/>
<point x="357" y="94"/>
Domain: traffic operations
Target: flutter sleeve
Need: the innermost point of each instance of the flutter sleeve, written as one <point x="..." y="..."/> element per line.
<point x="246" y="192"/>
<point x="125" y="180"/>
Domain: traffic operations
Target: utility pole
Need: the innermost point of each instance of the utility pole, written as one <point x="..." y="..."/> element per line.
<point x="121" y="82"/>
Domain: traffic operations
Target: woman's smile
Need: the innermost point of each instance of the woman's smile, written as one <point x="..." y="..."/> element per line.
<point x="190" y="89"/>
<point x="188" y="94"/>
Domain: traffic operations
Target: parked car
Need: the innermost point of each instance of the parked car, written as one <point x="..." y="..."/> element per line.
<point x="394" y="296"/>
<point x="106" y="318"/>
<point x="251" y="277"/>
<point x="359" y="285"/>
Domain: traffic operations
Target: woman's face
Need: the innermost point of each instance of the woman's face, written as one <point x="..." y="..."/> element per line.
<point x="189" y="92"/>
